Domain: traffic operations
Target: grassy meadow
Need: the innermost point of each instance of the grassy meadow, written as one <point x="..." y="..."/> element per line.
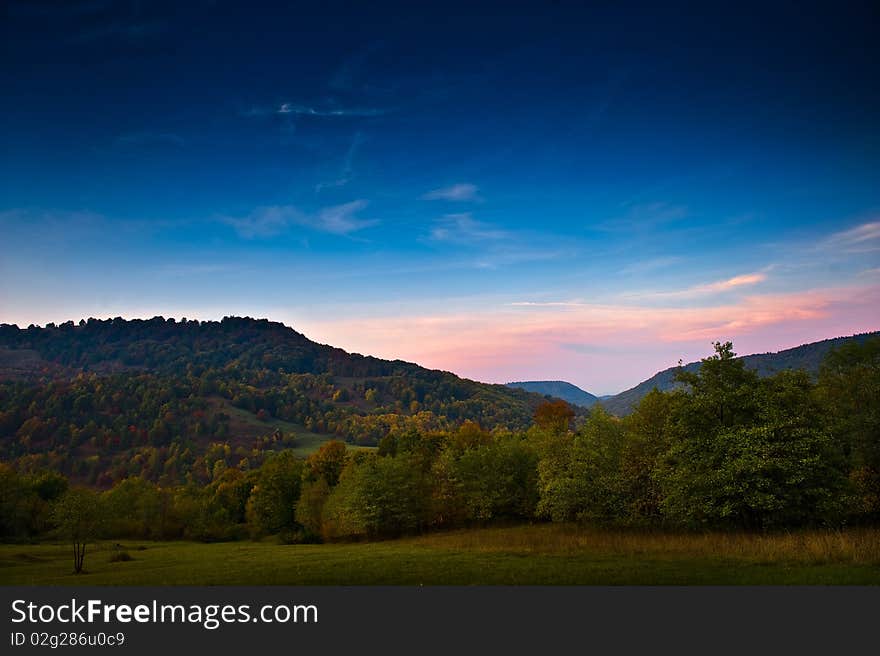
<point x="246" y="428"/>
<point x="545" y="554"/>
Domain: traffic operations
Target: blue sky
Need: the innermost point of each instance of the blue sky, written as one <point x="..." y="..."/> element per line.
<point x="508" y="191"/>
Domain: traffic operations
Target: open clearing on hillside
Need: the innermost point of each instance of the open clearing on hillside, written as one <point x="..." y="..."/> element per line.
<point x="523" y="555"/>
<point x="245" y="427"/>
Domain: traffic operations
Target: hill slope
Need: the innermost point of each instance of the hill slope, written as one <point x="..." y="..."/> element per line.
<point x="179" y="396"/>
<point x="559" y="389"/>
<point x="807" y="357"/>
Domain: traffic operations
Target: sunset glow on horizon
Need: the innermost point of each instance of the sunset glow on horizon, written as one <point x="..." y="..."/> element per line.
<point x="535" y="203"/>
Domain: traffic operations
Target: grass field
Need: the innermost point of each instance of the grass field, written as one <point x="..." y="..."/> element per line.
<point x="523" y="555"/>
<point x="245" y="427"/>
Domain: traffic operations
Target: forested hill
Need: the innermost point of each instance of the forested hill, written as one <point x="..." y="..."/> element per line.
<point x="559" y="389"/>
<point x="807" y="357"/>
<point x="167" y="346"/>
<point x="103" y="391"/>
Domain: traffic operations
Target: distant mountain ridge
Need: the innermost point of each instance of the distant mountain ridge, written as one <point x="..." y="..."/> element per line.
<point x="560" y="389"/>
<point x="807" y="357"/>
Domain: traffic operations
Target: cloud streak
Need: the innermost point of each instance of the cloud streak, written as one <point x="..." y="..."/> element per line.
<point x="864" y="238"/>
<point x="488" y="246"/>
<point x="306" y="110"/>
<point x="292" y="110"/>
<point x="646" y="266"/>
<point x="462" y="192"/>
<point x="643" y="217"/>
<point x="270" y="221"/>
<point x="347" y="172"/>
<point x="746" y="279"/>
<point x="464" y="230"/>
<point x="706" y="289"/>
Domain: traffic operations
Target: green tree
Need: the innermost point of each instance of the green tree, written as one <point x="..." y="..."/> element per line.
<point x="376" y="497"/>
<point x="768" y="463"/>
<point x="469" y="435"/>
<point x="722" y="393"/>
<point x="648" y="438"/>
<point x="849" y="390"/>
<point x="310" y="506"/>
<point x="49" y="485"/>
<point x="272" y="504"/>
<point x="78" y="516"/>
<point x="488" y="481"/>
<point x="18" y="502"/>
<point x="579" y="476"/>
<point x="134" y="508"/>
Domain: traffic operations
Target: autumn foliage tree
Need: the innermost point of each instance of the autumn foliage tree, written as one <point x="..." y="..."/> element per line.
<point x="327" y="462"/>
<point x="554" y="416"/>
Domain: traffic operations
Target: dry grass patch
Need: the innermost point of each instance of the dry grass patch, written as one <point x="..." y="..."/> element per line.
<point x="857" y="546"/>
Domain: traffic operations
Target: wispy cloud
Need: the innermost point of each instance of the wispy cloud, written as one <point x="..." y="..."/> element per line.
<point x="488" y="246"/>
<point x="290" y="111"/>
<point x="864" y="238"/>
<point x="646" y="266"/>
<point x="465" y="230"/>
<point x="307" y="110"/>
<point x="705" y="289"/>
<point x="645" y="216"/>
<point x="846" y="252"/>
<point x="341" y="219"/>
<point x="270" y="221"/>
<point x="548" y="304"/>
<point x="191" y="270"/>
<point x="684" y="323"/>
<point x="264" y="221"/>
<point x="333" y="184"/>
<point x="347" y="171"/>
<point x="514" y="255"/>
<point x="730" y="283"/>
<point x="458" y="192"/>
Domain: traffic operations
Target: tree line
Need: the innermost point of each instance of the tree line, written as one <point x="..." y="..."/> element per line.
<point x="727" y="449"/>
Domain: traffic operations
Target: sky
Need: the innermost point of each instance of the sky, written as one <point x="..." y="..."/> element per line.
<point x="544" y="191"/>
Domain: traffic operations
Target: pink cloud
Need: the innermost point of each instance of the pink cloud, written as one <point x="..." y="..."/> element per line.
<point x="729" y="284"/>
<point x="736" y="281"/>
<point x="602" y="347"/>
